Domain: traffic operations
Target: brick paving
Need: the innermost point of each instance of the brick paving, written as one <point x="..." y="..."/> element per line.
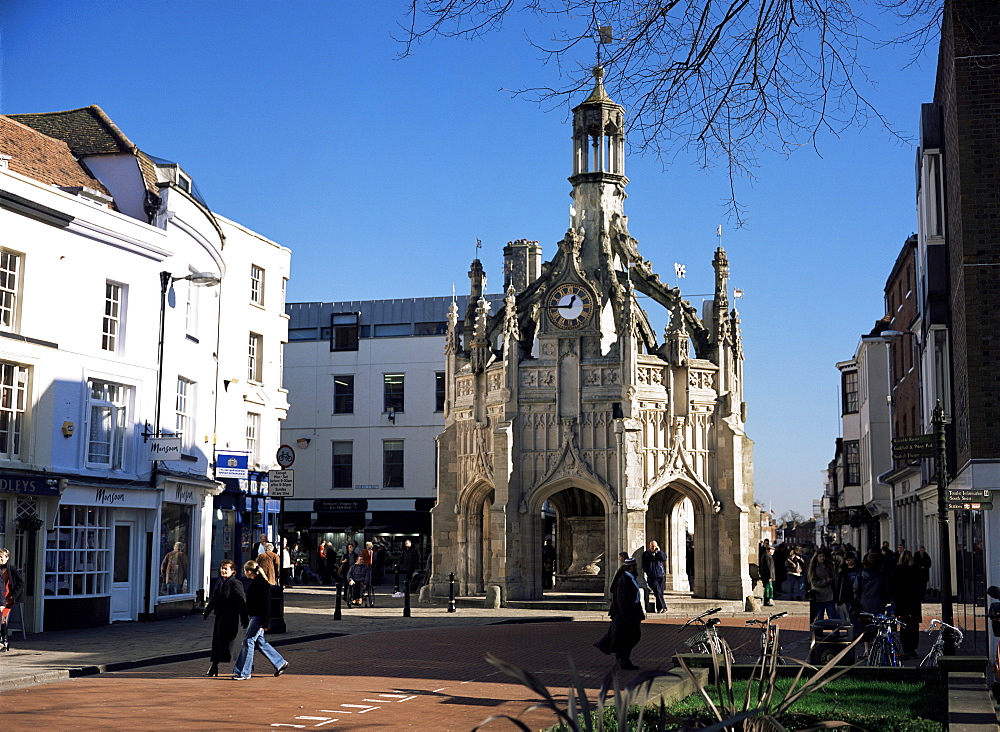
<point x="372" y="670"/>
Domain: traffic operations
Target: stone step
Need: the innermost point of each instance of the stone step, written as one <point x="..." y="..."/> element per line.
<point x="678" y="605"/>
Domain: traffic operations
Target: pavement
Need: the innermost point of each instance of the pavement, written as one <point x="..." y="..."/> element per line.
<point x="58" y="655"/>
<point x="373" y="669"/>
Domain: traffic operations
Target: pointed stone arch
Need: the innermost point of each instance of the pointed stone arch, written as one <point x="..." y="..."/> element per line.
<point x="476" y="535"/>
<point x="582" y="504"/>
<point x="667" y="518"/>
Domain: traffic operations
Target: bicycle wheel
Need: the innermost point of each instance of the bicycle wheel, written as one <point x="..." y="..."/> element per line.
<point x="874" y="653"/>
<point x="892" y="652"/>
<point x="930" y="660"/>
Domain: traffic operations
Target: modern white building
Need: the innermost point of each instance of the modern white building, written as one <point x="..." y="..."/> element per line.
<point x="366" y="385"/>
<point x="113" y="278"/>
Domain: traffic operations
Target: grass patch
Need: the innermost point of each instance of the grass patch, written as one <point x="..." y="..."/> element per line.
<point x="875" y="706"/>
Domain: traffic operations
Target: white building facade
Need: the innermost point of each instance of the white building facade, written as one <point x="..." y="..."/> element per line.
<point x="366" y="385"/>
<point x="113" y="272"/>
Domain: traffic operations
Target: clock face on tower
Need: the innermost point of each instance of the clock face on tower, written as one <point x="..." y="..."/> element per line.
<point x="570" y="306"/>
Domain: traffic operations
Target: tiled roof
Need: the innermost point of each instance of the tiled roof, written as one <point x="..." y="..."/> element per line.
<point x="43" y="158"/>
<point x="87" y="131"/>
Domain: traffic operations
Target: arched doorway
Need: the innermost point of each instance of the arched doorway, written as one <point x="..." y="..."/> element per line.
<point x="576" y="523"/>
<point x="670" y="520"/>
<point x="477" y="536"/>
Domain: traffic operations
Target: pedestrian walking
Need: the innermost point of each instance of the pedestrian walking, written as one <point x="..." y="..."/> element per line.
<point x="796" y="581"/>
<point x="626" y="614"/>
<point x="654" y="566"/>
<point x="780" y="571"/>
<point x="922" y="561"/>
<point x="228" y="601"/>
<point x="823" y="582"/>
<point x="349" y="559"/>
<point x="409" y="563"/>
<point x="259" y="614"/>
<point x="767" y="575"/>
<point x="270" y="564"/>
<point x="286" y="564"/>
<point x="872" y="591"/>
<point x="11" y="592"/>
<point x="908" y="594"/>
<point x="847" y="601"/>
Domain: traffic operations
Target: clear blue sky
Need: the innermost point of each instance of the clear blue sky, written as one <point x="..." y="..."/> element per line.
<point x="297" y="120"/>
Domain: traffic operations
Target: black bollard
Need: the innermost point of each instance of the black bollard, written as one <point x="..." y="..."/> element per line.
<point x="337" y="615"/>
<point x="396" y="586"/>
<point x="451" y="592"/>
<point x="406" y="600"/>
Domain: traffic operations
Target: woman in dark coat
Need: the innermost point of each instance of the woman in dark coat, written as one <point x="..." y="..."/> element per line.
<point x="229" y="603"/>
<point x="626" y="614"/>
<point x="11" y="593"/>
<point x="908" y="592"/>
<point x="259" y="612"/>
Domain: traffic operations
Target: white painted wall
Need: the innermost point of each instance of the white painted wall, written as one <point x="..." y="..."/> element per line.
<point x="309" y="370"/>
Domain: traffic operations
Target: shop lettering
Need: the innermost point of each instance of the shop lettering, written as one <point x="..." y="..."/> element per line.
<point x="183" y="496"/>
<point x="108" y="498"/>
<point x="157" y="448"/>
<point x="16" y="485"/>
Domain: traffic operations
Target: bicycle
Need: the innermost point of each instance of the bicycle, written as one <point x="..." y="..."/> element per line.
<point x="707" y="640"/>
<point x="769" y="639"/>
<point x="884" y="648"/>
<point x="937" y="647"/>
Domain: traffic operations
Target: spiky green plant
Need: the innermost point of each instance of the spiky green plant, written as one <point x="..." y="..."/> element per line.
<point x="757" y="710"/>
<point x="763" y="702"/>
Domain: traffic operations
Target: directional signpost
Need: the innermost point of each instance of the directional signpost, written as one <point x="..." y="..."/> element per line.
<point x="959" y="499"/>
<point x="915" y="447"/>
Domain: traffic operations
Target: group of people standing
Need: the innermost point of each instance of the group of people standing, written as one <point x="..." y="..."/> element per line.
<point x="842" y="585"/>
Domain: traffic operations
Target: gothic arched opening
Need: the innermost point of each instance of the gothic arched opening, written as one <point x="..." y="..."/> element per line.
<point x="670" y="521"/>
<point x="579" y="538"/>
<point x="478" y="535"/>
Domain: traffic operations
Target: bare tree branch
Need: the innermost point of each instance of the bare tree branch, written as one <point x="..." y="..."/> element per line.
<point x="722" y="80"/>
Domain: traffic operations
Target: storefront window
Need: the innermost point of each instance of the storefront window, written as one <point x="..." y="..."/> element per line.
<point x="175" y="562"/>
<point x="78" y="552"/>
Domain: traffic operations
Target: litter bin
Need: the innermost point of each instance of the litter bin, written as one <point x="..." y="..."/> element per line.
<point x="829" y="637"/>
<point x="277" y="610"/>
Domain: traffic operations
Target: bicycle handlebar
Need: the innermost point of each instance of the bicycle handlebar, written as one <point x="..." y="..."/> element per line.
<point x="699" y="617"/>
<point x="935" y="622"/>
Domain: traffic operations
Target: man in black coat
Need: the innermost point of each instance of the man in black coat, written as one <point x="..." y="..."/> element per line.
<point x="626" y="614"/>
<point x="11" y="593"/>
<point x="767" y="574"/>
<point x="409" y="562"/>
<point x="654" y="565"/>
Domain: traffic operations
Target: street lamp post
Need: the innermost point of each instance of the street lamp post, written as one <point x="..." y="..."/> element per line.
<point x="947" y="610"/>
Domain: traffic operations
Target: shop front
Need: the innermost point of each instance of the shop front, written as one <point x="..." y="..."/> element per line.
<point x="94" y="556"/>
<point x="25" y="501"/>
<point x="183" y="546"/>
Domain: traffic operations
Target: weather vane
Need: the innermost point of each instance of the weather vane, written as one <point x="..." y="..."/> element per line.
<point x="605" y="36"/>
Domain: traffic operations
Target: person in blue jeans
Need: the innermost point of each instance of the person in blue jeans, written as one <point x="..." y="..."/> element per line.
<point x="259" y="619"/>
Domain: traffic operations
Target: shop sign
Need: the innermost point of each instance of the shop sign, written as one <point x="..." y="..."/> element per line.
<point x="180" y="494"/>
<point x="326" y="505"/>
<point x="232" y="465"/>
<point x="281" y="483"/>
<point x="29" y="486"/>
<point x="164" y="448"/>
<point x="109" y="496"/>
